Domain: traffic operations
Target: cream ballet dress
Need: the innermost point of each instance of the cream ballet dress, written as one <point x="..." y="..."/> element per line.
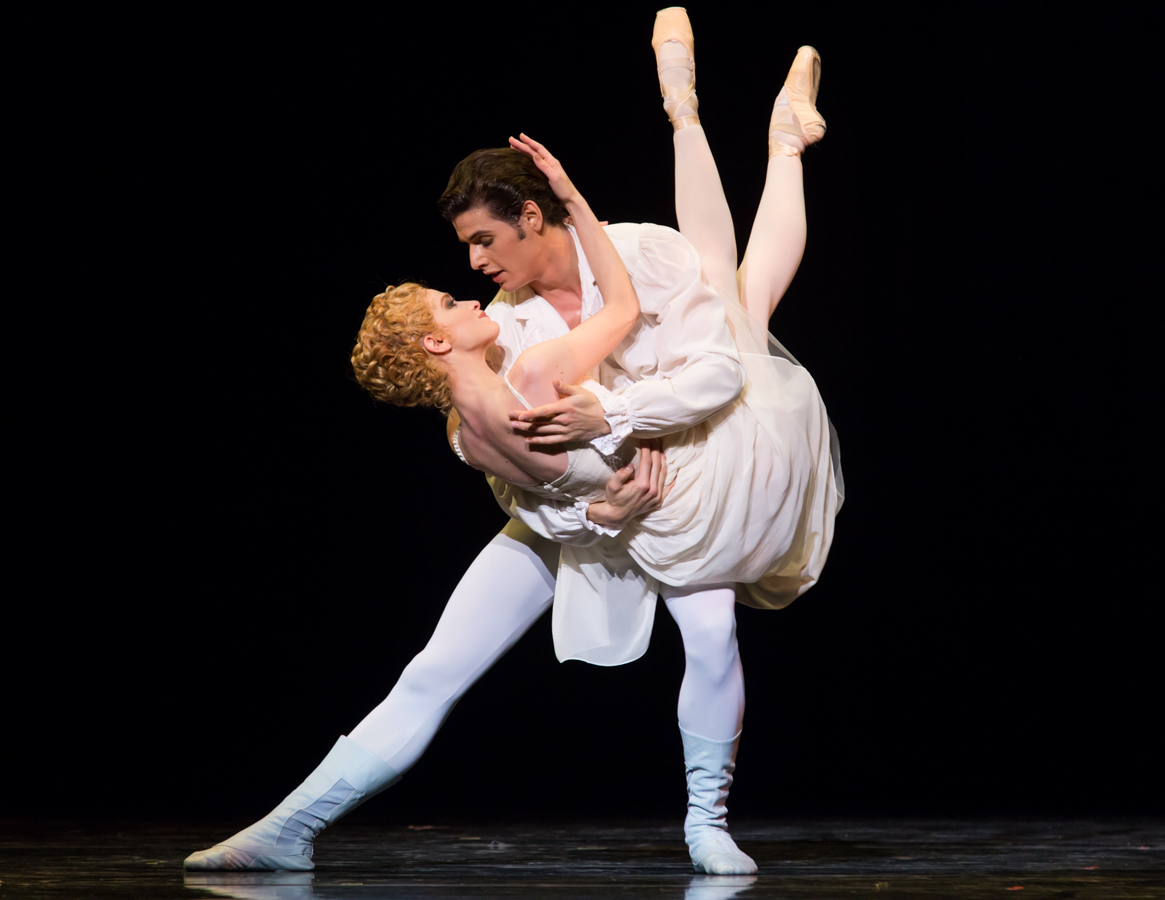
<point x="754" y="491"/>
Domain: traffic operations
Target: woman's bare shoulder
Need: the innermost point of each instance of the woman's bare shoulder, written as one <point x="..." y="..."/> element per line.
<point x="534" y="373"/>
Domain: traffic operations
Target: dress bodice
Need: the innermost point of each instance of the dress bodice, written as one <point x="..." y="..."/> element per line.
<point x="587" y="470"/>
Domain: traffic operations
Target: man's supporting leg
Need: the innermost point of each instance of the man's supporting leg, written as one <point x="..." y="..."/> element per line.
<point x="509" y="585"/>
<point x="712" y="693"/>
<point x="711" y="710"/>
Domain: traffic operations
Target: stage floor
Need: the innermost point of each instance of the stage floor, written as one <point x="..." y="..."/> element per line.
<point x="949" y="859"/>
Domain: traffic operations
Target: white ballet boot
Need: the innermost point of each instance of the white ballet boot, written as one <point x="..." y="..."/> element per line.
<point x="710" y="765"/>
<point x="349" y="775"/>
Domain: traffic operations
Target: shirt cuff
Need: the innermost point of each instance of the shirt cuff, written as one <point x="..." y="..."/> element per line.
<point x="617" y="416"/>
<point x="580" y="509"/>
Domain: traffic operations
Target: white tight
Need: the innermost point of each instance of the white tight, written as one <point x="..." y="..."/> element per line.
<point x="506" y="589"/>
<point x="499" y="597"/>
<point x="511" y="583"/>
<point x="712" y="693"/>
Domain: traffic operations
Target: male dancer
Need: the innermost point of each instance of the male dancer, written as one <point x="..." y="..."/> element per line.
<point x="676" y="368"/>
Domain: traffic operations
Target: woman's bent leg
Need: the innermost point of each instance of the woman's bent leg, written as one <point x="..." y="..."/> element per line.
<point x="777" y="241"/>
<point x="501" y="595"/>
<point x="711" y="710"/>
<point x="508" y="586"/>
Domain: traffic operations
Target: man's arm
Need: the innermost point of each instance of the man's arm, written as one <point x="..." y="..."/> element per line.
<point x="687" y="366"/>
<point x="633" y="491"/>
<point x="682" y="358"/>
<point x="558" y="521"/>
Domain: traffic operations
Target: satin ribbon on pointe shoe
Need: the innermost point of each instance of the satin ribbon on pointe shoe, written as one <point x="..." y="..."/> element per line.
<point x="677" y="97"/>
<point x="798" y="115"/>
<point x="672" y="25"/>
<point x="776" y="148"/>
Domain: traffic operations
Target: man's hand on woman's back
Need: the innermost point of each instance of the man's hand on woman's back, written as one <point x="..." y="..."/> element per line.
<point x="578" y="416"/>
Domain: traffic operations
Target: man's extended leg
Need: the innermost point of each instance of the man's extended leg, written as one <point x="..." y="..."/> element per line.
<point x="501" y="595"/>
<point x="710" y="711"/>
<point x="509" y="585"/>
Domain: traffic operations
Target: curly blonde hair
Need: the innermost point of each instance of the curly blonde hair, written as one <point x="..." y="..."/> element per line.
<point x="389" y="359"/>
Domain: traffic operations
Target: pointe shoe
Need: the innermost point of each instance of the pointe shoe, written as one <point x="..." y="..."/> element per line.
<point x="710" y="765"/>
<point x="795" y="112"/>
<point x="679" y="103"/>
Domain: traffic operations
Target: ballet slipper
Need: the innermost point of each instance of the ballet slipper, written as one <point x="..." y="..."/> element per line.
<point x="710" y="765"/>
<point x="680" y="103"/>
<point x="796" y="123"/>
<point x="349" y="775"/>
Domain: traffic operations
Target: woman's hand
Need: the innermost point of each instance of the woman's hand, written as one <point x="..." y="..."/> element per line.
<point x="634" y="492"/>
<point x="563" y="189"/>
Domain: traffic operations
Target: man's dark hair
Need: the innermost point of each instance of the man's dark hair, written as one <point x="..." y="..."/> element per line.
<point x="500" y="180"/>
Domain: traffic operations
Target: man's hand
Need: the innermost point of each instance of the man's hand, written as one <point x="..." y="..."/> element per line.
<point x="634" y="492"/>
<point x="576" y="417"/>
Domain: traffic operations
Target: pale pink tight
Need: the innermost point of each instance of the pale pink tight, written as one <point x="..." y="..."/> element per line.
<point x="777" y="241"/>
<point x="504" y="591"/>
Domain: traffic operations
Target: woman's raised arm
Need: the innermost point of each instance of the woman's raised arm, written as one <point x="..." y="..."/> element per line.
<point x="574" y="355"/>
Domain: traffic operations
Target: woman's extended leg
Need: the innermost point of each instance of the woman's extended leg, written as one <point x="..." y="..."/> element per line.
<point x="507" y="588"/>
<point x="711" y="710"/>
<point x="701" y="209"/>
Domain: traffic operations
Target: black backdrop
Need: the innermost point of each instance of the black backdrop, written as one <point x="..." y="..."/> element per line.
<point x="259" y="550"/>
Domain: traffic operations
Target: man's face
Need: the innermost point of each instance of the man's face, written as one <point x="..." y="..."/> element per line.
<point x="496" y="248"/>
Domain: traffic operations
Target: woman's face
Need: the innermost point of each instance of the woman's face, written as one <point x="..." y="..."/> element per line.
<point x="463" y="322"/>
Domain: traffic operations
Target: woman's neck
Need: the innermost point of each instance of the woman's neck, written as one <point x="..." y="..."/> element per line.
<point x="474" y="385"/>
<point x="488" y="440"/>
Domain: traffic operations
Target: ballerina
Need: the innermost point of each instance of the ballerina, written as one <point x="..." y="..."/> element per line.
<point x="472" y="634"/>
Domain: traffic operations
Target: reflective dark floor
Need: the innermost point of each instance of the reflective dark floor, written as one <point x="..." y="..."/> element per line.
<point x="1083" y="859"/>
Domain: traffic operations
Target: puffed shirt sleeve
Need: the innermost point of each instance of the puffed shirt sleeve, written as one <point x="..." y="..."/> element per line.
<point x="560" y="521"/>
<point x="685" y="368"/>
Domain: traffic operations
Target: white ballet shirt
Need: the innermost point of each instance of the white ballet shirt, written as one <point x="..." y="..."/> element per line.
<point x="753" y="492"/>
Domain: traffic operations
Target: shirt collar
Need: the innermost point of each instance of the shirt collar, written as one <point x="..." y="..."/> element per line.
<point x="592" y="300"/>
<point x="529" y="305"/>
